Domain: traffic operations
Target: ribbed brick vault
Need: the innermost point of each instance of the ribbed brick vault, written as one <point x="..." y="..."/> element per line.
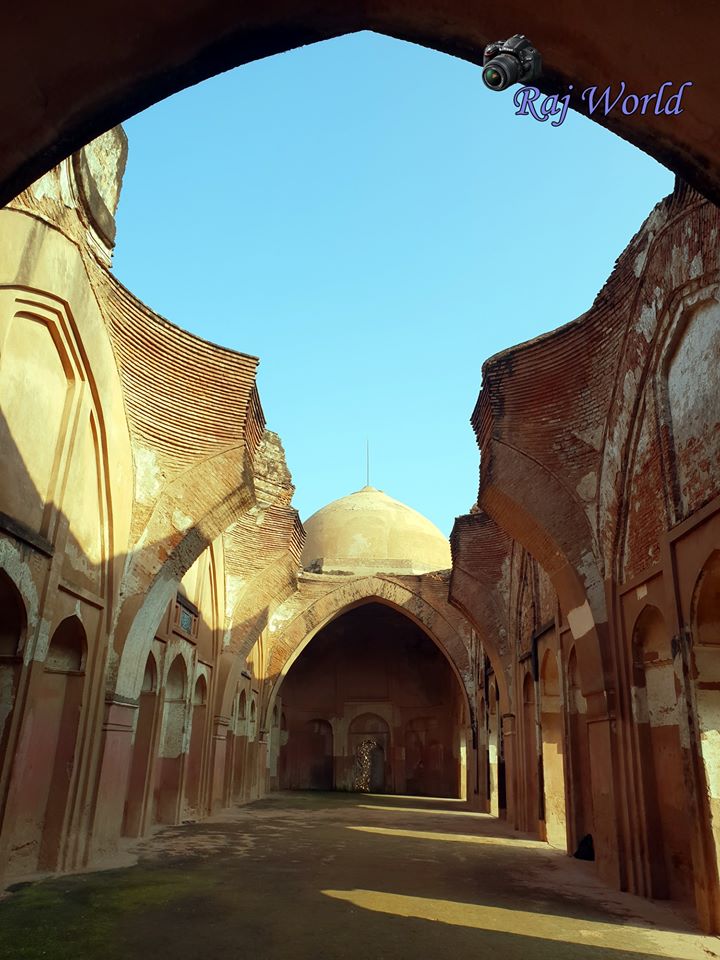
<point x="151" y="560"/>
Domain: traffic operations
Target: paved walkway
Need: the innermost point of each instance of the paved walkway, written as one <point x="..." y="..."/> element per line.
<point x="331" y="876"/>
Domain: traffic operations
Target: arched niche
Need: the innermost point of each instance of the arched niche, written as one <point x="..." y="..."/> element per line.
<point x="705" y="664"/>
<point x="149" y="682"/>
<point x="234" y="747"/>
<point x="551" y="725"/>
<point x="707" y="604"/>
<point x="66" y="653"/>
<point x="13" y="624"/>
<point x="172" y="743"/>
<point x="496" y="762"/>
<point x="531" y="759"/>
<point x="321" y="749"/>
<point x="176" y="683"/>
<point x="252" y="719"/>
<point x="196" y="751"/>
<point x="308" y="763"/>
<point x="665" y="798"/>
<point x="424" y="757"/>
<point x="200" y="692"/>
<point x="578" y="778"/>
<point x="369" y="746"/>
<point x="141" y="767"/>
<point x="59" y="705"/>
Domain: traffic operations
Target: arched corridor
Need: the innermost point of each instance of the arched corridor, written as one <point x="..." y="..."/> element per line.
<point x="250" y="712"/>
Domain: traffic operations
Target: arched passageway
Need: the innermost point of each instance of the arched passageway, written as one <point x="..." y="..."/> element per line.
<point x="373" y="704"/>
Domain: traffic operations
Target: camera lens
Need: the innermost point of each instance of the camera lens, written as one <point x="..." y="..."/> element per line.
<point x="501" y="72"/>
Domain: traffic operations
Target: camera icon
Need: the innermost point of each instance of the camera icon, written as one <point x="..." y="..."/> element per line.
<point x="510" y="61"/>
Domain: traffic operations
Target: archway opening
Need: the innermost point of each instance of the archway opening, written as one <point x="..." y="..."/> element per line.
<point x="60" y="700"/>
<point x="373" y="704"/>
<point x="141" y="769"/>
<point x="496" y="768"/>
<point x="12" y="631"/>
<point x="580" y="795"/>
<point x="170" y="761"/>
<point x="705" y="663"/>
<point x="552" y="751"/>
<point x="664" y="789"/>
<point x="531" y="778"/>
<point x="193" y="783"/>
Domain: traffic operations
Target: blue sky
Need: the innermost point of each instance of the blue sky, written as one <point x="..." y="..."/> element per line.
<point x="373" y="223"/>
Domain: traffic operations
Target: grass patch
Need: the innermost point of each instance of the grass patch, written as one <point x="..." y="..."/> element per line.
<point x="86" y="916"/>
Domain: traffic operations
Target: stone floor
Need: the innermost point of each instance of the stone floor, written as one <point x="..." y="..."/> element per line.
<point x="326" y="876"/>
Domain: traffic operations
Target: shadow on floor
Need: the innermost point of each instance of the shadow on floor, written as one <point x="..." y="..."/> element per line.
<point x="292" y="878"/>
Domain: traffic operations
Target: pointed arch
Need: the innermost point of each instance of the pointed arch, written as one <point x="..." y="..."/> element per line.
<point x="288" y="640"/>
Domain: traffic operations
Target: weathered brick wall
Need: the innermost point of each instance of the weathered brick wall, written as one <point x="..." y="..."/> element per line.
<point x="152" y="520"/>
<point x="600" y="482"/>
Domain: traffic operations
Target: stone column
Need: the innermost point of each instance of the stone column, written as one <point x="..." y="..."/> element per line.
<point x="606" y="821"/>
<point x="116" y="758"/>
<point x="510" y="758"/>
<point x="219" y="755"/>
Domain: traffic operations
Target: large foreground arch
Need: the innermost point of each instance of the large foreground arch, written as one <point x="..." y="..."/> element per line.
<point x="67" y="81"/>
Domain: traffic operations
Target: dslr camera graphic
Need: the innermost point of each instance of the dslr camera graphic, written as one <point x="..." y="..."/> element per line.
<point x="510" y="61"/>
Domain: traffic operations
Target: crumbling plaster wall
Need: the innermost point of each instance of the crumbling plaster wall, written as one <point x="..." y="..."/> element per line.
<point x="599" y="456"/>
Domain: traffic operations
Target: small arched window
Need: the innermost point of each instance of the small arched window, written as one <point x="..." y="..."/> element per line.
<point x="67" y="648"/>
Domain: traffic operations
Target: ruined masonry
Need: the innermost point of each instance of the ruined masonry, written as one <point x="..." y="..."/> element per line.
<point x="174" y="642"/>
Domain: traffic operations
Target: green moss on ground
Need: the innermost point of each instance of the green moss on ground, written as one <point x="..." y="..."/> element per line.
<point x="84" y="917"/>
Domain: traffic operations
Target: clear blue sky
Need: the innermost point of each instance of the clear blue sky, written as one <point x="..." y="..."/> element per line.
<point x="370" y="221"/>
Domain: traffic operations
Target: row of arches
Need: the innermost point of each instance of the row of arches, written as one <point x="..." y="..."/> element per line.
<point x="42" y="705"/>
<point x="552" y="752"/>
<point x="44" y="714"/>
<point x="184" y="748"/>
<point x="165" y="778"/>
<point x="243" y="778"/>
<point x="541" y="770"/>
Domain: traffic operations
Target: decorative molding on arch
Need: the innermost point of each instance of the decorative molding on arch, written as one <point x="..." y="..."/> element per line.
<point x="82" y="400"/>
<point x="287" y="639"/>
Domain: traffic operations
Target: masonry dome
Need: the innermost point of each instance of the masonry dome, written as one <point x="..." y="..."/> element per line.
<point x="369" y="532"/>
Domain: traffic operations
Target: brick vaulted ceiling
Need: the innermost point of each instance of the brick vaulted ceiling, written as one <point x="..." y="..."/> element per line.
<point x="71" y="71"/>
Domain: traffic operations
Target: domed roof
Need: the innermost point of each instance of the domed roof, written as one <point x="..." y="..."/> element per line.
<point x="369" y="532"/>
